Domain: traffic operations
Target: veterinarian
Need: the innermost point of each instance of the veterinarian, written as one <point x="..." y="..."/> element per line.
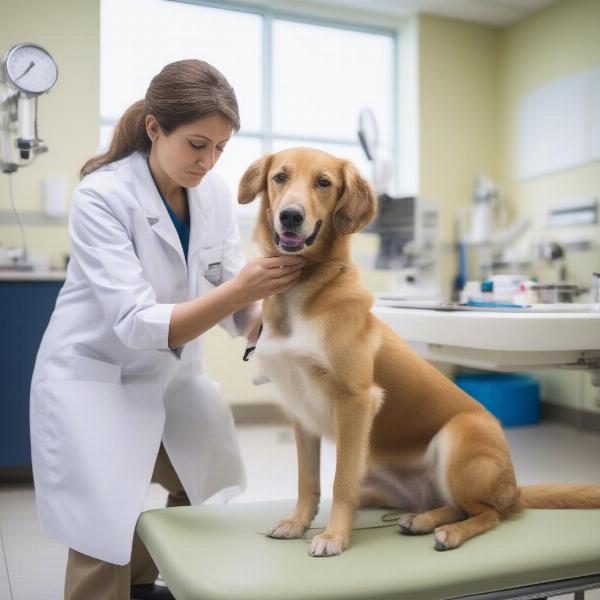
<point x="155" y="262"/>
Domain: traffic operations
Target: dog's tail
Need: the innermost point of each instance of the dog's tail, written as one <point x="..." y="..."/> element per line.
<point x="556" y="495"/>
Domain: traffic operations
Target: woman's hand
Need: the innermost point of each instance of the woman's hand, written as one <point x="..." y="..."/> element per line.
<point x="260" y="277"/>
<point x="265" y="276"/>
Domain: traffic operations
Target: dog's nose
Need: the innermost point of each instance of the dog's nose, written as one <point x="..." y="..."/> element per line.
<point x="291" y="217"/>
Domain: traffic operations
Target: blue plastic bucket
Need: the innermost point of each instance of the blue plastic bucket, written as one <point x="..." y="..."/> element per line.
<point x="514" y="399"/>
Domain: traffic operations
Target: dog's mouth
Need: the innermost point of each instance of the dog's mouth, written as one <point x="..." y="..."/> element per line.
<point x="292" y="241"/>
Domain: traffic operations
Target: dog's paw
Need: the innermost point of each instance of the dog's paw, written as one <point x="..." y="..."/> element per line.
<point x="326" y="544"/>
<point x="288" y="529"/>
<point x="405" y="522"/>
<point x="446" y="538"/>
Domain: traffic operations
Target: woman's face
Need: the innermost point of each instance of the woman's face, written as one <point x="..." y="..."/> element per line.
<point x="190" y="151"/>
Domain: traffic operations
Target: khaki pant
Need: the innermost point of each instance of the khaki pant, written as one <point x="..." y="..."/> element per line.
<point x="89" y="578"/>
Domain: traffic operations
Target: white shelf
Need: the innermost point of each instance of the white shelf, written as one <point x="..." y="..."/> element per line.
<point x="30" y="217"/>
<point x="8" y="275"/>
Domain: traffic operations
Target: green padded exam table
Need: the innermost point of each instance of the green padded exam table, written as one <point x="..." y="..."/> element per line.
<point x="220" y="552"/>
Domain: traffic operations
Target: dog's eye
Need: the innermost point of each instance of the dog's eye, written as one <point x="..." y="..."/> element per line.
<point x="324" y="182"/>
<point x="280" y="177"/>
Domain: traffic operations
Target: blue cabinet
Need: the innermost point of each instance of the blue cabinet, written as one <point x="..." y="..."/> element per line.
<point x="25" y="309"/>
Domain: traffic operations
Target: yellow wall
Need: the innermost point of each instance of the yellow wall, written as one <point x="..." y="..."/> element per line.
<point x="556" y="42"/>
<point x="458" y="65"/>
<point x="472" y="78"/>
<point x="550" y="44"/>
<point x="68" y="115"/>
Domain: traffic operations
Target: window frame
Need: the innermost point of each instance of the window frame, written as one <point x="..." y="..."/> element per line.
<point x="266" y="135"/>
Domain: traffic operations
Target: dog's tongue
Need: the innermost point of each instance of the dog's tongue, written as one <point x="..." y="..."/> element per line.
<point x="291" y="239"/>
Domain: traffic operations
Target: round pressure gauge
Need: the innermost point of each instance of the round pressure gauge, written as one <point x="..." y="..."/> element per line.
<point x="30" y="68"/>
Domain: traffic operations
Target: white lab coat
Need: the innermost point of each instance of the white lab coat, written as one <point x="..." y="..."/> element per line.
<point x="106" y="387"/>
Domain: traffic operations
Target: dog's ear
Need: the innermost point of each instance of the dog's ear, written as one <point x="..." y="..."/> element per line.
<point x="357" y="205"/>
<point x="254" y="180"/>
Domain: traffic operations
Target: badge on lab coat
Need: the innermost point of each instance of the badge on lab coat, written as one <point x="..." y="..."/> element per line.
<point x="213" y="266"/>
<point x="213" y="273"/>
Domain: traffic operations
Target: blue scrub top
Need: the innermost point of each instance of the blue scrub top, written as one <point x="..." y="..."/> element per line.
<point x="183" y="229"/>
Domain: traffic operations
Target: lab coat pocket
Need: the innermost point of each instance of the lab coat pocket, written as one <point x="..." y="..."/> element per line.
<point x="98" y="425"/>
<point x="85" y="368"/>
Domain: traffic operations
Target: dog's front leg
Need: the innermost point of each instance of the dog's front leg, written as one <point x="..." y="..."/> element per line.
<point x="308" y="448"/>
<point x="353" y="419"/>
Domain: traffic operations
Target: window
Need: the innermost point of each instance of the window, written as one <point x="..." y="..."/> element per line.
<point x="297" y="83"/>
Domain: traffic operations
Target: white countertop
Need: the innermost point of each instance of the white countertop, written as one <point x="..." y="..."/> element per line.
<point x="8" y="275"/>
<point x="502" y="341"/>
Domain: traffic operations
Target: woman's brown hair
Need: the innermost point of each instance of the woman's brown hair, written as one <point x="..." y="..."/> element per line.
<point x="182" y="92"/>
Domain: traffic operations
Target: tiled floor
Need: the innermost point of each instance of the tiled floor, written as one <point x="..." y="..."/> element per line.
<point x="32" y="566"/>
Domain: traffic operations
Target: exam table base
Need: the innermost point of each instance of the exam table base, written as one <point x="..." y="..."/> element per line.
<point x="576" y="586"/>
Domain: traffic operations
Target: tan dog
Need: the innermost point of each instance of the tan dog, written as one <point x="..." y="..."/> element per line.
<point x="406" y="436"/>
